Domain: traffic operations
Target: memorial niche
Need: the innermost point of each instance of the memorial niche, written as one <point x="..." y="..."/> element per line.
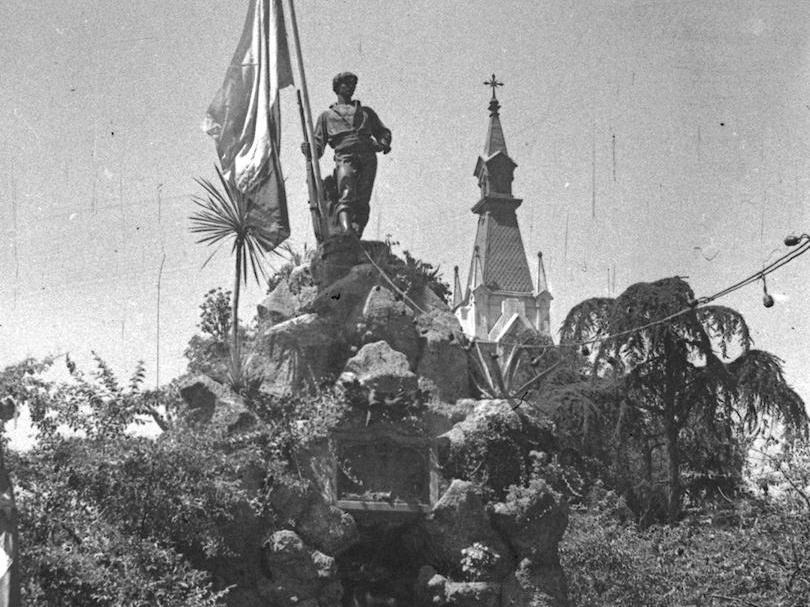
<point x="383" y="473"/>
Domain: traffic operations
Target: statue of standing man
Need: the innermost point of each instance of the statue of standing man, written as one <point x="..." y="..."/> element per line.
<point x="356" y="134"/>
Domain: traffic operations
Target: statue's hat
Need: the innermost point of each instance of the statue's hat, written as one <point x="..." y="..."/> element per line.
<point x="342" y="77"/>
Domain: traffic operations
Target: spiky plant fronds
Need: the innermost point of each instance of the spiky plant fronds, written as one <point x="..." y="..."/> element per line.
<point x="227" y="214"/>
<point x="497" y="376"/>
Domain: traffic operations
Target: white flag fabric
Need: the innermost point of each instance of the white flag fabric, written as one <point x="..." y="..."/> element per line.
<point x="245" y="120"/>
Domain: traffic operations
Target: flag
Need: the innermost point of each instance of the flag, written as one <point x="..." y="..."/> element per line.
<point x="245" y="119"/>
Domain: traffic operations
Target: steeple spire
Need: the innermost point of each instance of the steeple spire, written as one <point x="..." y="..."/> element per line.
<point x="542" y="281"/>
<point x="495" y="140"/>
<point x="495" y="168"/>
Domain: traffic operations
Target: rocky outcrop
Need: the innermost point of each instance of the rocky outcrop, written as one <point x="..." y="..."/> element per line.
<point x="306" y="338"/>
<point x="504" y="429"/>
<point x="381" y="371"/>
<point x="378" y="510"/>
<point x="384" y="316"/>
<point x="290" y="295"/>
<point x="209" y="402"/>
<point x="535" y="585"/>
<point x="522" y="533"/>
<point x="443" y="360"/>
<point x="458" y="520"/>
<point x="298" y="575"/>
<point x="532" y="521"/>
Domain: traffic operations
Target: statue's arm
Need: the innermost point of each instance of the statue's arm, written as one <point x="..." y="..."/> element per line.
<point x="381" y="132"/>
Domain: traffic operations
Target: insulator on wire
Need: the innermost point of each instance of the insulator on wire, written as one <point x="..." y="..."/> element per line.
<point x="767" y="299"/>
<point x="792" y="240"/>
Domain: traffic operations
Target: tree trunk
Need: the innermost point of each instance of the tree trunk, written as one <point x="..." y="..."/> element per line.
<point x="236" y="357"/>
<point x="673" y="468"/>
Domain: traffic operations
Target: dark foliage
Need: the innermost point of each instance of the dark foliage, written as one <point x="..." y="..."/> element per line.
<point x="678" y="372"/>
<point x="755" y="556"/>
<point x="108" y="518"/>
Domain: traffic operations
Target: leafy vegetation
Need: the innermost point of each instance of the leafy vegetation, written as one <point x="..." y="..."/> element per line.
<point x="755" y="556"/>
<point x="108" y="518"/>
<point x="411" y="274"/>
<point x="95" y="502"/>
<point x="207" y="351"/>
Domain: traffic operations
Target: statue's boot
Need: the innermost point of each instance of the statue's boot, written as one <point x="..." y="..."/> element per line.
<point x="346" y="223"/>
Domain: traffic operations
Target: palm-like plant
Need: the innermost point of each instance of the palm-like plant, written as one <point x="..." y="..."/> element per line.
<point x="226" y="214"/>
<point x="504" y="375"/>
<point x="699" y="364"/>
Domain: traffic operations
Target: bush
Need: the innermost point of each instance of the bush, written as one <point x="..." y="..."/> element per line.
<point x="107" y="518"/>
<point x="104" y="522"/>
<point x="759" y="556"/>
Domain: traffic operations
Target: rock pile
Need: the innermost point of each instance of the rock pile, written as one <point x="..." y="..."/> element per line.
<point x="382" y="518"/>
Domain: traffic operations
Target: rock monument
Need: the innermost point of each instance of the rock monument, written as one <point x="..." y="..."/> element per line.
<point x="388" y="517"/>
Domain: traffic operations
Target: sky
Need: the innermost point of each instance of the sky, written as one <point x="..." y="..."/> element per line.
<point x="652" y="139"/>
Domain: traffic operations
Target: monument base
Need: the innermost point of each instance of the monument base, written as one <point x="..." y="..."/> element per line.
<point x="339" y="253"/>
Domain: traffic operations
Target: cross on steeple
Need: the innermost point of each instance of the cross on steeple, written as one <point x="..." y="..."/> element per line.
<point x="493" y="83"/>
<point x="494" y="106"/>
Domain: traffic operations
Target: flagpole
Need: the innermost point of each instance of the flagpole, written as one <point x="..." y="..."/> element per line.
<point x="313" y="156"/>
<point x="314" y="208"/>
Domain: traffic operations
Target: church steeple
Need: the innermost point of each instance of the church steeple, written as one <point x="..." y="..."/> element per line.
<point x="500" y="301"/>
<point x="499" y="260"/>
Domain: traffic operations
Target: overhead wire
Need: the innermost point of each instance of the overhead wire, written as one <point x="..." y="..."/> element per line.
<point x="801" y="249"/>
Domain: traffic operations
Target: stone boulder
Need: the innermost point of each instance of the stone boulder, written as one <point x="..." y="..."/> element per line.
<point x="533" y="585"/>
<point x="326" y="527"/>
<point x="201" y="394"/>
<point x="473" y="594"/>
<point x="457" y="521"/>
<point x="318" y="522"/>
<point x="501" y="427"/>
<point x="532" y="520"/>
<point x="443" y="359"/>
<point x="296" y="354"/>
<point x="385" y="317"/>
<point x="428" y="301"/>
<point x="279" y="306"/>
<point x="430" y="587"/>
<point x="297" y="573"/>
<point x="209" y="402"/>
<point x="482" y="416"/>
<point x="290" y="296"/>
<point x="341" y="299"/>
<point x="380" y="370"/>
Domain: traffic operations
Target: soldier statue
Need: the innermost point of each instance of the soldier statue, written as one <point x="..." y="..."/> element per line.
<point x="356" y="134"/>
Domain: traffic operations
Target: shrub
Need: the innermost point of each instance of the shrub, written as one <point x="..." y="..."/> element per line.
<point x="758" y="557"/>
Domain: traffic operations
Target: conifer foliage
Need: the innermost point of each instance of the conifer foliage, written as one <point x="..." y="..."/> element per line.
<point x="698" y="364"/>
